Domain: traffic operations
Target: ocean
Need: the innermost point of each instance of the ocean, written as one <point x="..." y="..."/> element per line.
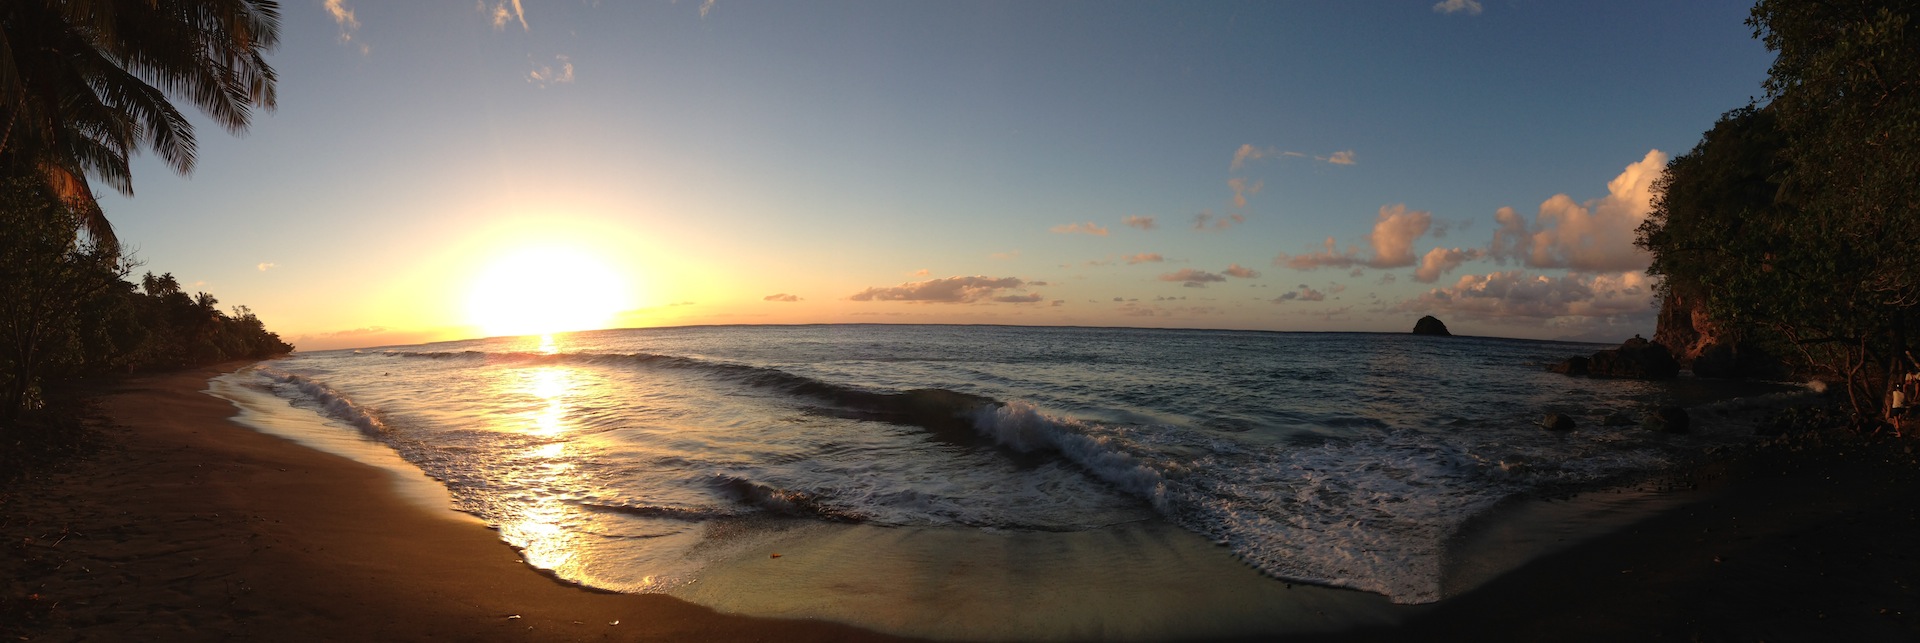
<point x="996" y="481"/>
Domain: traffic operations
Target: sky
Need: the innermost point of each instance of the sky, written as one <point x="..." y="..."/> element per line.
<point x="444" y="170"/>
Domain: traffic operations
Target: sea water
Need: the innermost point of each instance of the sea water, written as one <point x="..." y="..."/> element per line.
<point x="996" y="482"/>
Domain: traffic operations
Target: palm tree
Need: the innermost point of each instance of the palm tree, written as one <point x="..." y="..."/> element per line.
<point x="85" y="84"/>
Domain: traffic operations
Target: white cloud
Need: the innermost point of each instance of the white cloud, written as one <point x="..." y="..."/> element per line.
<point x="1394" y="232"/>
<point x="1594" y="236"/>
<point x="1192" y="278"/>
<point x="343" y="16"/>
<point x="1248" y="152"/>
<point x="1472" y="7"/>
<point x="951" y="290"/>
<point x="1241" y="190"/>
<point x="1243" y="272"/>
<point x="1440" y="261"/>
<point x="267" y="265"/>
<point x="782" y="297"/>
<point x="1144" y="257"/>
<point x="1344" y="157"/>
<point x="1080" y="228"/>
<point x="1516" y="294"/>
<point x="705" y="7"/>
<point x="1328" y="258"/>
<point x="1302" y="293"/>
<point x="1143" y="223"/>
<point x="1207" y="220"/>
<point x="503" y="12"/>
<point x="546" y="75"/>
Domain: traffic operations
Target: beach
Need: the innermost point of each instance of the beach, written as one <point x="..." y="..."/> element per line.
<point x="185" y="525"/>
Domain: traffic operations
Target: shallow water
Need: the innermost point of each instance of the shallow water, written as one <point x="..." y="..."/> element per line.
<point x="1099" y="482"/>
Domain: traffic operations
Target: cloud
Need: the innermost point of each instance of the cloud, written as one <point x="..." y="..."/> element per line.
<point x="1516" y="294"/>
<point x="781" y="297"/>
<point x="1472" y="7"/>
<point x="1339" y="158"/>
<point x="343" y="16"/>
<point x="1080" y="228"/>
<point x="1440" y="261"/>
<point x="1144" y="257"/>
<point x="1302" y="293"/>
<point x="1328" y="258"/>
<point x="921" y="272"/>
<point x="951" y="290"/>
<point x="545" y="75"/>
<point x="1241" y="190"/>
<point x="1143" y="223"/>
<point x="1206" y="220"/>
<point x="1394" y="231"/>
<point x="267" y="265"/>
<point x="1594" y="236"/>
<point x="503" y="12"/>
<point x="1019" y="299"/>
<point x="705" y="7"/>
<point x="1248" y="152"/>
<point x="1243" y="272"/>
<point x="1192" y="278"/>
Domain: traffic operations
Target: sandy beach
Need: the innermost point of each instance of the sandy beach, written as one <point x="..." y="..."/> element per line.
<point x="186" y="526"/>
<point x="183" y="525"/>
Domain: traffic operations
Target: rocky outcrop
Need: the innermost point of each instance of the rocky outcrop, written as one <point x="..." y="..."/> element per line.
<point x="1430" y="325"/>
<point x="1556" y="422"/>
<point x="1573" y="366"/>
<point x="1709" y="349"/>
<point x="1636" y="359"/>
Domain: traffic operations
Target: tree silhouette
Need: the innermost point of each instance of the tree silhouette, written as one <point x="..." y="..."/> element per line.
<point x="85" y="84"/>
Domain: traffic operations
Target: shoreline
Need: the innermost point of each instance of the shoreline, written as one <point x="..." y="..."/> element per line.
<point x="187" y="525"/>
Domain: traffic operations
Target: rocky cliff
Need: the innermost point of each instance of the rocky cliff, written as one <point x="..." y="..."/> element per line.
<point x="1707" y="348"/>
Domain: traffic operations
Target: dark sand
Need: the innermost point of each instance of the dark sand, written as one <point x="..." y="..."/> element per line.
<point x="184" y="525"/>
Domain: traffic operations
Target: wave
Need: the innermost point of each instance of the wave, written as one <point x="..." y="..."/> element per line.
<point x="331" y="403"/>
<point x="939" y="409"/>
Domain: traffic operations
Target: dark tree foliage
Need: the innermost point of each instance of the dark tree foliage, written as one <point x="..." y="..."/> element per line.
<point x="1797" y="221"/>
<point x="66" y="309"/>
<point x="85" y="84"/>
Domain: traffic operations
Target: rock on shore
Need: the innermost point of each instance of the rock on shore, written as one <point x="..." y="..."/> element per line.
<point x="1637" y="358"/>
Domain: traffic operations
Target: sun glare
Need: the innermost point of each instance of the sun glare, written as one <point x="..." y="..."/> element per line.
<point x="545" y="290"/>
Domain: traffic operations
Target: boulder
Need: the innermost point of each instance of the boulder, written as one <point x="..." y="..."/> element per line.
<point x="1635" y="359"/>
<point x="1667" y="419"/>
<point x="1430" y="325"/>
<point x="1573" y="366"/>
<point x="1556" y="422"/>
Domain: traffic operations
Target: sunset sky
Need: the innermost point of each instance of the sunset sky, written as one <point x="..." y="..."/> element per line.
<point x="436" y="170"/>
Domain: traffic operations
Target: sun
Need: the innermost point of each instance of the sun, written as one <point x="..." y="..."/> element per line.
<point x="550" y="289"/>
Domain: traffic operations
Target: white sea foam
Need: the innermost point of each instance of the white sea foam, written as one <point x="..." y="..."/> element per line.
<point x="1295" y="452"/>
<point x="330" y="402"/>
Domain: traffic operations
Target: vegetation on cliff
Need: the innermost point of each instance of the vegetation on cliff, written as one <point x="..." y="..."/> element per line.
<point x="1794" y="222"/>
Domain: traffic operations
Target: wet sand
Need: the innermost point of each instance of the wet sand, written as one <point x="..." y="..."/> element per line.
<point x="186" y="526"/>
